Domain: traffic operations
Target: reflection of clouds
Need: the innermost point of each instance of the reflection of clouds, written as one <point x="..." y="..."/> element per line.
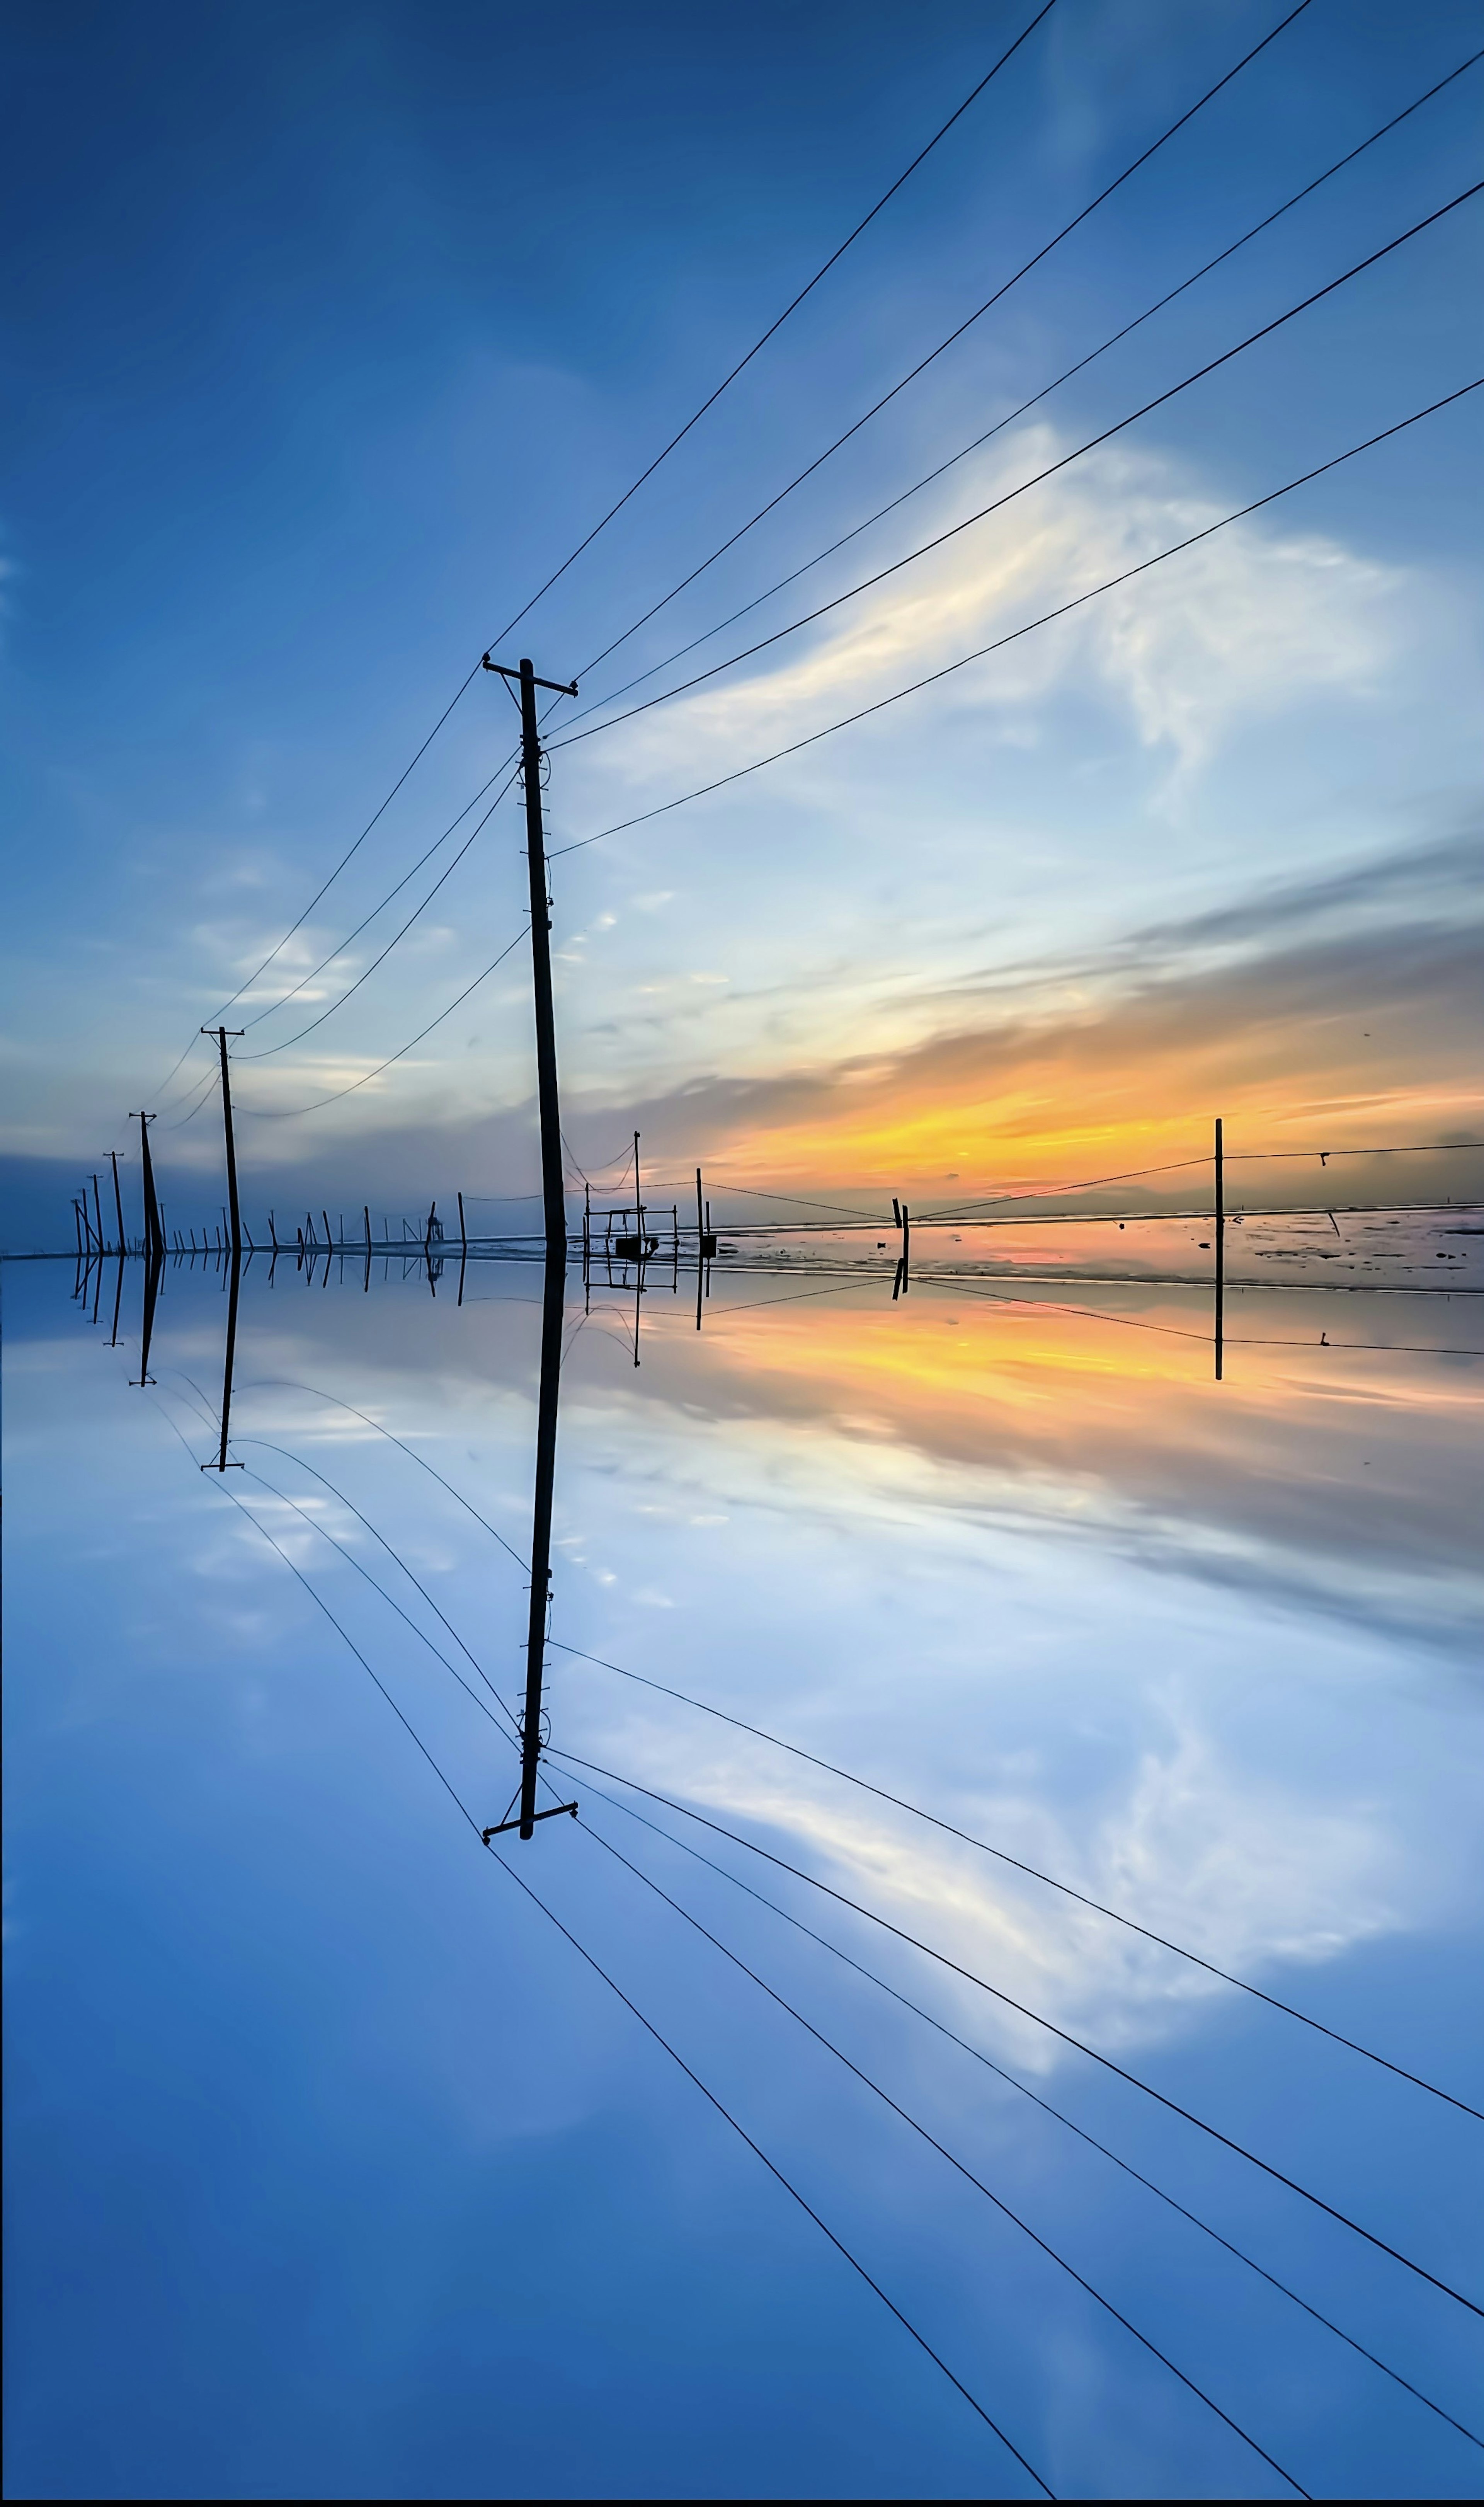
<point x="1249" y="1878"/>
<point x="1050" y="1420"/>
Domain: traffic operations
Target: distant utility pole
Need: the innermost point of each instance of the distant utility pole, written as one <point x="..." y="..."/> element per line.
<point x="118" y="1197"/>
<point x="553" y="1191"/>
<point x="221" y="1035"/>
<point x="553" y="1204"/>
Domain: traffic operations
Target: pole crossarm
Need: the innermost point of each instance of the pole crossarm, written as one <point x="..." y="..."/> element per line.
<point x="564" y="1810"/>
<point x="557" y="687"/>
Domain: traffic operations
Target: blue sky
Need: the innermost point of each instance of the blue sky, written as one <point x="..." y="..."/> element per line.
<point x="337" y="330"/>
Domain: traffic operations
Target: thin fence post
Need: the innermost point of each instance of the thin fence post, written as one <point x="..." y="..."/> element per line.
<point x="1221" y="1251"/>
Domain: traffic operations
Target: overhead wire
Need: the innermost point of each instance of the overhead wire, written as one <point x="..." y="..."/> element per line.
<point x="613" y="1985"/>
<point x="953" y="2161"/>
<point x="943" y="344"/>
<point x="292" y="1384"/>
<point x="286" y="1114"/>
<point x="1064" y="1888"/>
<point x="997" y="504"/>
<point x="1065" y="609"/>
<point x="774" y="2170"/>
<point x="341" y="945"/>
<point x="1013" y="2082"/>
<point x="283" y="1046"/>
<point x="396" y="787"/>
<point x="394" y="1555"/>
<point x="979" y="441"/>
<point x="776" y="325"/>
<point x="570" y="1757"/>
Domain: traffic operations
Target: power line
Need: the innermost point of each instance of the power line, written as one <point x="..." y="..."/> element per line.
<point x="286" y="1114"/>
<point x="943" y="2152"/>
<point x="353" y="849"/>
<point x="394" y="1555"/>
<point x="444" y="875"/>
<point x="1011" y="2081"/>
<point x="1048" y="617"/>
<point x="979" y="441"/>
<point x="568" y="1757"/>
<point x="776" y="325"/>
<point x="997" y="505"/>
<point x="772" y="2169"/>
<point x="341" y="945"/>
<point x="933" y="354"/>
<point x="291" y="1384"/>
<point x="1064" y="1887"/>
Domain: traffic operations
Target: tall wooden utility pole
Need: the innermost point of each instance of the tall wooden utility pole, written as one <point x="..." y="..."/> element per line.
<point x="118" y="1197"/>
<point x="553" y="1192"/>
<point x="153" y="1232"/>
<point x="553" y="1204"/>
<point x="221" y="1035"/>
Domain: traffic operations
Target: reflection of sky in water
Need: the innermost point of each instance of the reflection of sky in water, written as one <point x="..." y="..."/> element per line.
<point x="340" y="2174"/>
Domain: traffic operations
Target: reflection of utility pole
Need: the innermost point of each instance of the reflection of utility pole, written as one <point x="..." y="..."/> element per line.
<point x="221" y="1035"/>
<point x="221" y="1464"/>
<point x="552" y="1311"/>
<point x="1220" y="1249"/>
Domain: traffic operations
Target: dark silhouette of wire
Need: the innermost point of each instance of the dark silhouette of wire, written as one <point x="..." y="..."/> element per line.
<point x="286" y="1114"/>
<point x="946" y="1826"/>
<point x="1048" y="617"/>
<point x="648" y="2025"/>
<point x="417" y="755"/>
<point x="568" y="1757"/>
<point x="203" y="1095"/>
<point x="444" y="875"/>
<point x="1011" y="2081"/>
<point x="778" y="324"/>
<point x="944" y="2151"/>
<point x="291" y="1384"/>
<point x="997" y="504"/>
<point x="933" y="354"/>
<point x="772" y="2169"/>
<point x="363" y="1571"/>
<point x="979" y="441"/>
<point x="394" y="1555"/>
<point x="336" y="1625"/>
<point x="343" y="945"/>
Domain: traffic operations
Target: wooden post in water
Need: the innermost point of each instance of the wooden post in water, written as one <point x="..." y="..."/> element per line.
<point x="1221" y="1250"/>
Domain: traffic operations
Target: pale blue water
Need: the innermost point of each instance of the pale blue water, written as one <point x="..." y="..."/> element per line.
<point x="336" y="2170"/>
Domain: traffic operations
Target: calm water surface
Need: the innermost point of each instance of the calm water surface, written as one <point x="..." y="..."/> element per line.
<point x="337" y="2170"/>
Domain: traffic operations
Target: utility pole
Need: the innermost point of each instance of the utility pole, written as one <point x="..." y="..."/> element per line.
<point x="118" y="1197"/>
<point x="221" y="1035"/>
<point x="554" y="1205"/>
<point x="97" y="1212"/>
<point x="553" y="1191"/>
<point x="154" y="1234"/>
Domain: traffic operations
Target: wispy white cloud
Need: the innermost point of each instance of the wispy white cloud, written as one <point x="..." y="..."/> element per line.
<point x="1260" y="619"/>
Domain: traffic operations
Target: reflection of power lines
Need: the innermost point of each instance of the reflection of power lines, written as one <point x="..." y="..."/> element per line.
<point x="902" y="2110"/>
